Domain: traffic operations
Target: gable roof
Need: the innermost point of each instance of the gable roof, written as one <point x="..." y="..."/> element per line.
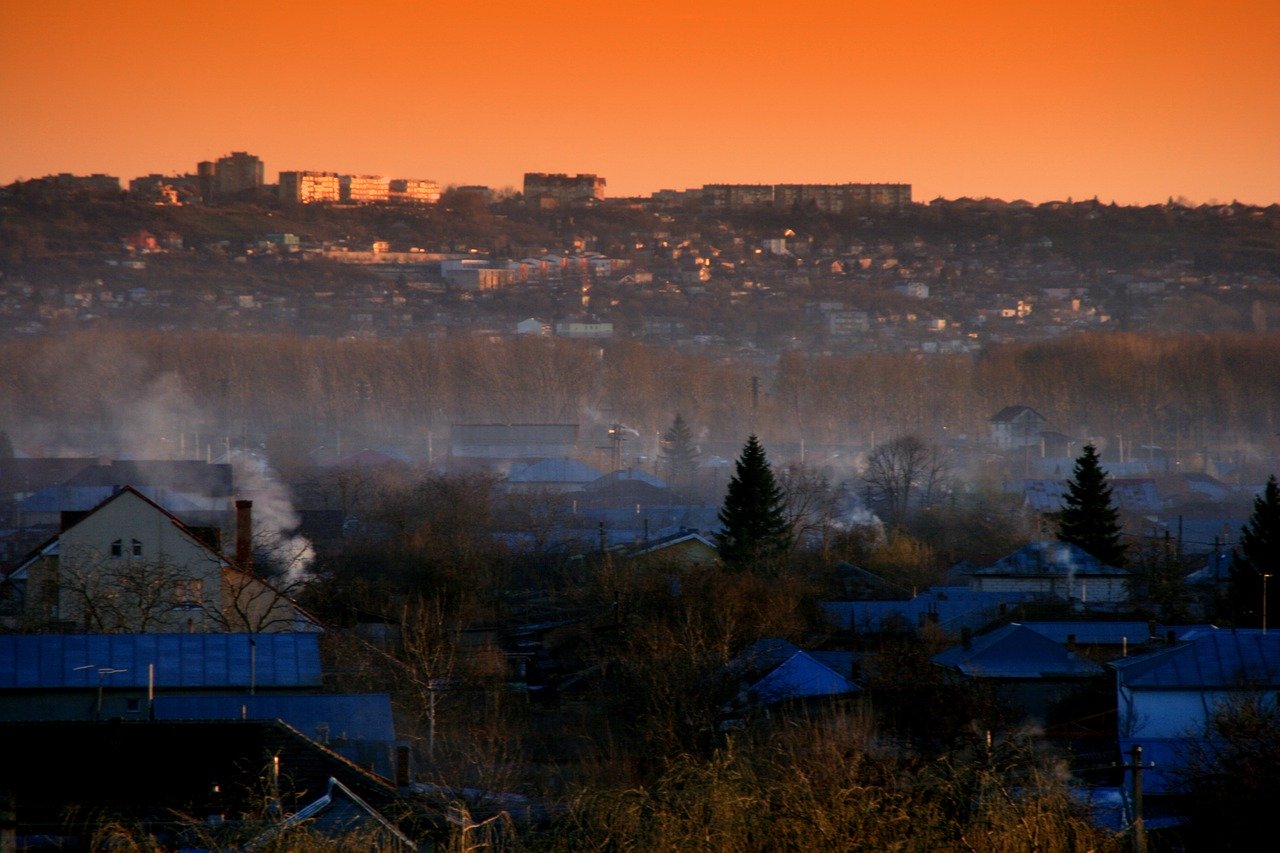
<point x="635" y="475"/>
<point x="178" y="523"/>
<point x="651" y="546"/>
<point x="553" y="471"/>
<point x="776" y="671"/>
<point x="1226" y="658"/>
<point x="1010" y="414"/>
<point x="1052" y="559"/>
<point x="71" y="661"/>
<point x="1015" y="651"/>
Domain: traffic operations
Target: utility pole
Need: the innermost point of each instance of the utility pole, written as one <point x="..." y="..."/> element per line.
<point x="1139" y="830"/>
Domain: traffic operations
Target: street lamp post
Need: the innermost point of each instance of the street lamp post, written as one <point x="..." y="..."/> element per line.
<point x="1265" y="575"/>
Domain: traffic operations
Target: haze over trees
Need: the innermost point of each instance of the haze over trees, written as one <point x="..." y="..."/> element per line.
<point x="1176" y="393"/>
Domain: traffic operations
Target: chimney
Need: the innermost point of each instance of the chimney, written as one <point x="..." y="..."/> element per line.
<point x="244" y="534"/>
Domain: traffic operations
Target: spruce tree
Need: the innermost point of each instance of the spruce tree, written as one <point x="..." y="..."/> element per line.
<point x="755" y="532"/>
<point x="1089" y="519"/>
<point x="1258" y="554"/>
<point x="678" y="454"/>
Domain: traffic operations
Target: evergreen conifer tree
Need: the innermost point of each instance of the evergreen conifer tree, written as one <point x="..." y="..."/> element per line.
<point x="1089" y="519"/>
<point x="679" y="454"/>
<point x="755" y="531"/>
<point x="1259" y="554"/>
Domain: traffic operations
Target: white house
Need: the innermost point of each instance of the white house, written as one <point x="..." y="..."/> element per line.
<point x="1054" y="570"/>
<point x="1166" y="699"/>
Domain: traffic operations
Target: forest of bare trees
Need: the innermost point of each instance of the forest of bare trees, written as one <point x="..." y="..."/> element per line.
<point x="184" y="395"/>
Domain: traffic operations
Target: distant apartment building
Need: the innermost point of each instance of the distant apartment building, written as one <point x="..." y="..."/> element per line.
<point x="310" y="187"/>
<point x="364" y="189"/>
<point x="737" y="196"/>
<point x="414" y="191"/>
<point x="236" y="172"/>
<point x="829" y="198"/>
<point x="559" y="190"/>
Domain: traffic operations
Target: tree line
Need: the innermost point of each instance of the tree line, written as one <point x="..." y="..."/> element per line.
<point x="1181" y="393"/>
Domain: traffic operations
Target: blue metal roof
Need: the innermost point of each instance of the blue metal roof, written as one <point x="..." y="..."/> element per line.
<point x="348" y="716"/>
<point x="1015" y="651"/>
<point x="1039" y="559"/>
<point x="566" y="471"/>
<point x="952" y="608"/>
<point x="1089" y="633"/>
<point x="1226" y="658"/>
<point x="54" y="661"/>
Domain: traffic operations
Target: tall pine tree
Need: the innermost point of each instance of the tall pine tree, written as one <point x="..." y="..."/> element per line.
<point x="678" y="453"/>
<point x="755" y="532"/>
<point x="1259" y="554"/>
<point x="1089" y="519"/>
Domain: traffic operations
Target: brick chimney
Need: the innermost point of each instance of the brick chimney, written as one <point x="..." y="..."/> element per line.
<point x="244" y="535"/>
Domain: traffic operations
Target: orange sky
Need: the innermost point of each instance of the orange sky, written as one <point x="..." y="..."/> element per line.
<point x="1128" y="101"/>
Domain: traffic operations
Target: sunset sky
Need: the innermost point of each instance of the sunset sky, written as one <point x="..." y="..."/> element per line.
<point x="1128" y="101"/>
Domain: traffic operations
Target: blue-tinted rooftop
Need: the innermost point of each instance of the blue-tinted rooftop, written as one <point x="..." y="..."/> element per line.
<point x="60" y="661"/>
<point x="1222" y="658"/>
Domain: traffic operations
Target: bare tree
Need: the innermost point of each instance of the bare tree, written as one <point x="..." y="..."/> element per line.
<point x="903" y="471"/>
<point x="109" y="595"/>
<point x="812" y="505"/>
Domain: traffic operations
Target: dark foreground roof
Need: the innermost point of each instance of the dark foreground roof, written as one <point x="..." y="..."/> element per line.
<point x="169" y="777"/>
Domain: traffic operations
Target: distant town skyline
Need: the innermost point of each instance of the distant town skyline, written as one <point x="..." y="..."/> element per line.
<point x="1126" y="102"/>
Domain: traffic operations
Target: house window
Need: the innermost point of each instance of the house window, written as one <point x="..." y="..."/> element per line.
<point x="187" y="592"/>
<point x="133" y="705"/>
<point x="117" y="548"/>
<point x="137" y="548"/>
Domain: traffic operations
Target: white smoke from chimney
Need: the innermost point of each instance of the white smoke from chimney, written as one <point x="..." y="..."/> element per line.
<point x="274" y="518"/>
<point x="151" y="424"/>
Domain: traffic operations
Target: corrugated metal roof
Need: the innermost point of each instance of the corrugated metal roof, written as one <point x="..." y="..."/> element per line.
<point x="53" y="661"/>
<point x="1225" y="658"/>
